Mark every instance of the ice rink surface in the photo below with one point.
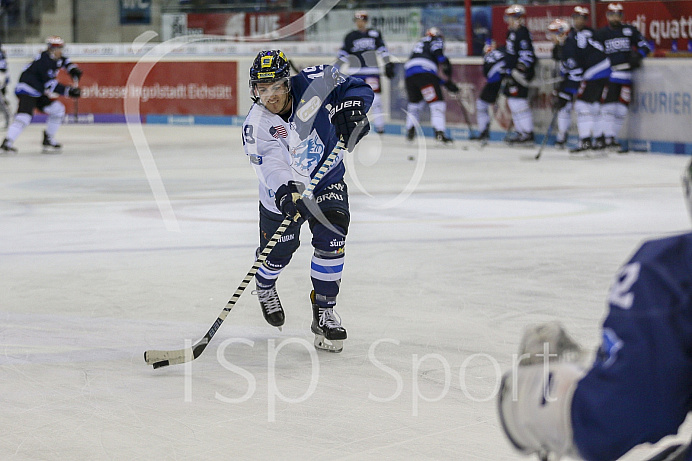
(448, 256)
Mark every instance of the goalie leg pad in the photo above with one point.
(535, 408)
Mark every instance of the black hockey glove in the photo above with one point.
(635, 59)
(446, 67)
(289, 200)
(75, 73)
(560, 100)
(74, 92)
(350, 121)
(389, 70)
(451, 86)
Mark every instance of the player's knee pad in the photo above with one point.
(23, 119)
(329, 232)
(535, 407)
(518, 105)
(55, 109)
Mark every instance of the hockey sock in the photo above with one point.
(268, 272)
(597, 129)
(56, 112)
(325, 271)
(482, 114)
(619, 118)
(437, 115)
(564, 120)
(521, 114)
(608, 113)
(21, 121)
(413, 113)
(376, 113)
(585, 118)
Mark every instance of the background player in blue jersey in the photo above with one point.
(625, 46)
(639, 388)
(494, 71)
(360, 50)
(292, 127)
(520, 61)
(423, 84)
(38, 88)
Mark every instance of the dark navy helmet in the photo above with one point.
(269, 66)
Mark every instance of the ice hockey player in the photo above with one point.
(423, 84)
(625, 46)
(38, 88)
(520, 61)
(585, 69)
(292, 127)
(639, 387)
(494, 71)
(4, 81)
(360, 50)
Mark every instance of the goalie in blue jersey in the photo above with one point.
(292, 127)
(639, 388)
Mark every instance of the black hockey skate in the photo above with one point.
(326, 324)
(482, 136)
(560, 142)
(584, 145)
(50, 146)
(411, 134)
(599, 143)
(440, 136)
(518, 139)
(6, 148)
(612, 145)
(271, 306)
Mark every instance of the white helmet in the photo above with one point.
(581, 11)
(434, 32)
(515, 11)
(55, 42)
(614, 8)
(559, 29)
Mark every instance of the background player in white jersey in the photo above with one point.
(292, 127)
(359, 51)
(423, 84)
(639, 388)
(38, 88)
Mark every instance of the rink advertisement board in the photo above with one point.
(248, 26)
(174, 88)
(666, 24)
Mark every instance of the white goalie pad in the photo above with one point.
(535, 408)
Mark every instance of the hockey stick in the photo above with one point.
(160, 359)
(75, 81)
(548, 133)
(464, 112)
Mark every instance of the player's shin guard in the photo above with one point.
(521, 114)
(586, 117)
(413, 114)
(564, 120)
(55, 112)
(265, 282)
(375, 113)
(437, 115)
(21, 121)
(535, 408)
(482, 115)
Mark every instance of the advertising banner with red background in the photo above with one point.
(246, 25)
(176, 88)
(661, 22)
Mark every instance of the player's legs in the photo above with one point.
(522, 118)
(268, 273)
(415, 104)
(564, 121)
(55, 111)
(375, 113)
(329, 229)
(25, 111)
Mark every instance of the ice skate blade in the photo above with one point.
(51, 151)
(324, 344)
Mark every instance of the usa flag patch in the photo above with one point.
(278, 131)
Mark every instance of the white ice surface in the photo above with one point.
(437, 287)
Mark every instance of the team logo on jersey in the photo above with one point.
(307, 154)
(309, 109)
(610, 346)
